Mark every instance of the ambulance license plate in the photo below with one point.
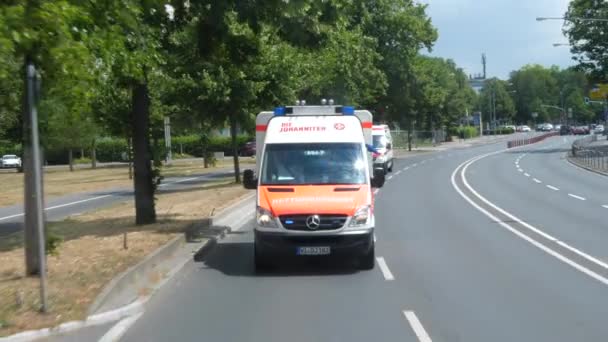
(321, 250)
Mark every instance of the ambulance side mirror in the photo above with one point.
(378, 179)
(249, 181)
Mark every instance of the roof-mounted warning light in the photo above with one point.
(279, 111)
(348, 110)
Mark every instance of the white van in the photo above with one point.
(314, 185)
(383, 143)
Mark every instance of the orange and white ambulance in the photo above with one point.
(314, 178)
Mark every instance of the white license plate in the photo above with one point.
(313, 250)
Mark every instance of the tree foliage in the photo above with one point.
(588, 37)
(541, 90)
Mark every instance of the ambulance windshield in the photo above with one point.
(313, 163)
(379, 141)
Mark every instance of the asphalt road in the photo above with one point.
(11, 218)
(469, 248)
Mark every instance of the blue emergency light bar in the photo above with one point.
(344, 110)
(348, 110)
(279, 111)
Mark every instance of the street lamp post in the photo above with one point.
(572, 19)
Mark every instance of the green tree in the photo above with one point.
(401, 29)
(44, 34)
(495, 98)
(587, 37)
(534, 87)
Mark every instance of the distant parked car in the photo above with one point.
(599, 129)
(565, 130)
(579, 130)
(525, 128)
(10, 160)
(248, 150)
(557, 127)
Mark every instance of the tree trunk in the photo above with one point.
(156, 152)
(94, 155)
(81, 153)
(71, 159)
(130, 157)
(409, 135)
(145, 212)
(235, 149)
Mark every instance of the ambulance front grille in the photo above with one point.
(327, 222)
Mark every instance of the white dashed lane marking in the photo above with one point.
(552, 187)
(577, 197)
(537, 180)
(414, 322)
(527, 174)
(388, 276)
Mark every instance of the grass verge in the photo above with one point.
(62, 182)
(91, 254)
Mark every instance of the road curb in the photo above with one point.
(131, 274)
(569, 159)
(135, 272)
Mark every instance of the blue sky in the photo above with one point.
(506, 30)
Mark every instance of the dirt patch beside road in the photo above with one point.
(92, 254)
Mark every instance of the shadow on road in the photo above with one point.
(236, 259)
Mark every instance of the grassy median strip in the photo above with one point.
(91, 253)
(62, 182)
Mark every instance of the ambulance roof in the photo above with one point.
(379, 129)
(309, 128)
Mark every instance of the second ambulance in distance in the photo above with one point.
(314, 181)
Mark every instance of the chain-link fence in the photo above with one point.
(589, 155)
(401, 139)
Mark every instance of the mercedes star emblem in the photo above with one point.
(313, 222)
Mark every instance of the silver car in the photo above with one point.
(10, 160)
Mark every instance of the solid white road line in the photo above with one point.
(537, 180)
(552, 187)
(417, 326)
(388, 276)
(59, 206)
(527, 174)
(532, 241)
(118, 330)
(577, 197)
(77, 202)
(180, 181)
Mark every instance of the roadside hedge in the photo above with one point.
(469, 131)
(111, 149)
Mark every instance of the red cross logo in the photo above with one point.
(339, 126)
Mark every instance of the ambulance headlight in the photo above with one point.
(265, 219)
(361, 217)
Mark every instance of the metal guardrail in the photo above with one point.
(528, 141)
(591, 157)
